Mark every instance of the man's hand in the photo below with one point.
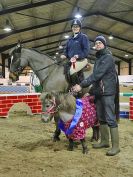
(63, 57)
(76, 88)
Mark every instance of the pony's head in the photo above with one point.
(54, 102)
(15, 69)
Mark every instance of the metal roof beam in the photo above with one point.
(99, 31)
(116, 19)
(123, 59)
(2, 49)
(27, 6)
(7, 47)
(57, 22)
(54, 42)
(89, 39)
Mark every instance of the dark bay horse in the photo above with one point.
(49, 72)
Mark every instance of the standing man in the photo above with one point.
(105, 78)
(76, 51)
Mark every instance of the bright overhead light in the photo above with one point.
(57, 53)
(94, 47)
(66, 36)
(60, 47)
(110, 36)
(7, 26)
(78, 16)
(126, 55)
(7, 29)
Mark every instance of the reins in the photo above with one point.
(49, 66)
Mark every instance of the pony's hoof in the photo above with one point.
(70, 148)
(55, 139)
(94, 139)
(44, 121)
(85, 150)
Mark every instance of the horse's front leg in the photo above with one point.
(57, 130)
(71, 145)
(84, 146)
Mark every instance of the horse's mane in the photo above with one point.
(35, 50)
(66, 101)
(58, 62)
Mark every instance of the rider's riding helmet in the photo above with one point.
(76, 22)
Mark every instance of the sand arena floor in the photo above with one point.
(27, 150)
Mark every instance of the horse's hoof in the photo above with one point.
(94, 139)
(70, 148)
(44, 121)
(56, 139)
(85, 150)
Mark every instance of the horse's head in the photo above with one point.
(54, 102)
(49, 106)
(15, 68)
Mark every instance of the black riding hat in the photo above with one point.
(76, 22)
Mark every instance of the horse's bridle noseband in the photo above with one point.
(53, 109)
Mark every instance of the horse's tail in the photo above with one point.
(117, 106)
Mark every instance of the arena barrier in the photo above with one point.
(127, 113)
(31, 99)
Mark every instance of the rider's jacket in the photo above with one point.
(78, 45)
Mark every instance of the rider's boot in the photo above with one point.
(74, 79)
(81, 76)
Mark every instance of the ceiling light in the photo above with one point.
(57, 53)
(7, 26)
(60, 47)
(110, 36)
(94, 47)
(78, 16)
(66, 36)
(126, 55)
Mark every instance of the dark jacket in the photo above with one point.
(77, 46)
(104, 73)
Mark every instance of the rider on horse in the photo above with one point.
(76, 51)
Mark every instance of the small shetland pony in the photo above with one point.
(76, 115)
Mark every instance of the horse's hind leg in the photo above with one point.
(57, 131)
(95, 134)
(71, 145)
(84, 146)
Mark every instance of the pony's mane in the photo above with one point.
(66, 101)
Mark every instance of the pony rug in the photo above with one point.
(85, 117)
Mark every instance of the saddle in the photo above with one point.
(75, 78)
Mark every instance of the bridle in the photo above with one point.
(53, 108)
